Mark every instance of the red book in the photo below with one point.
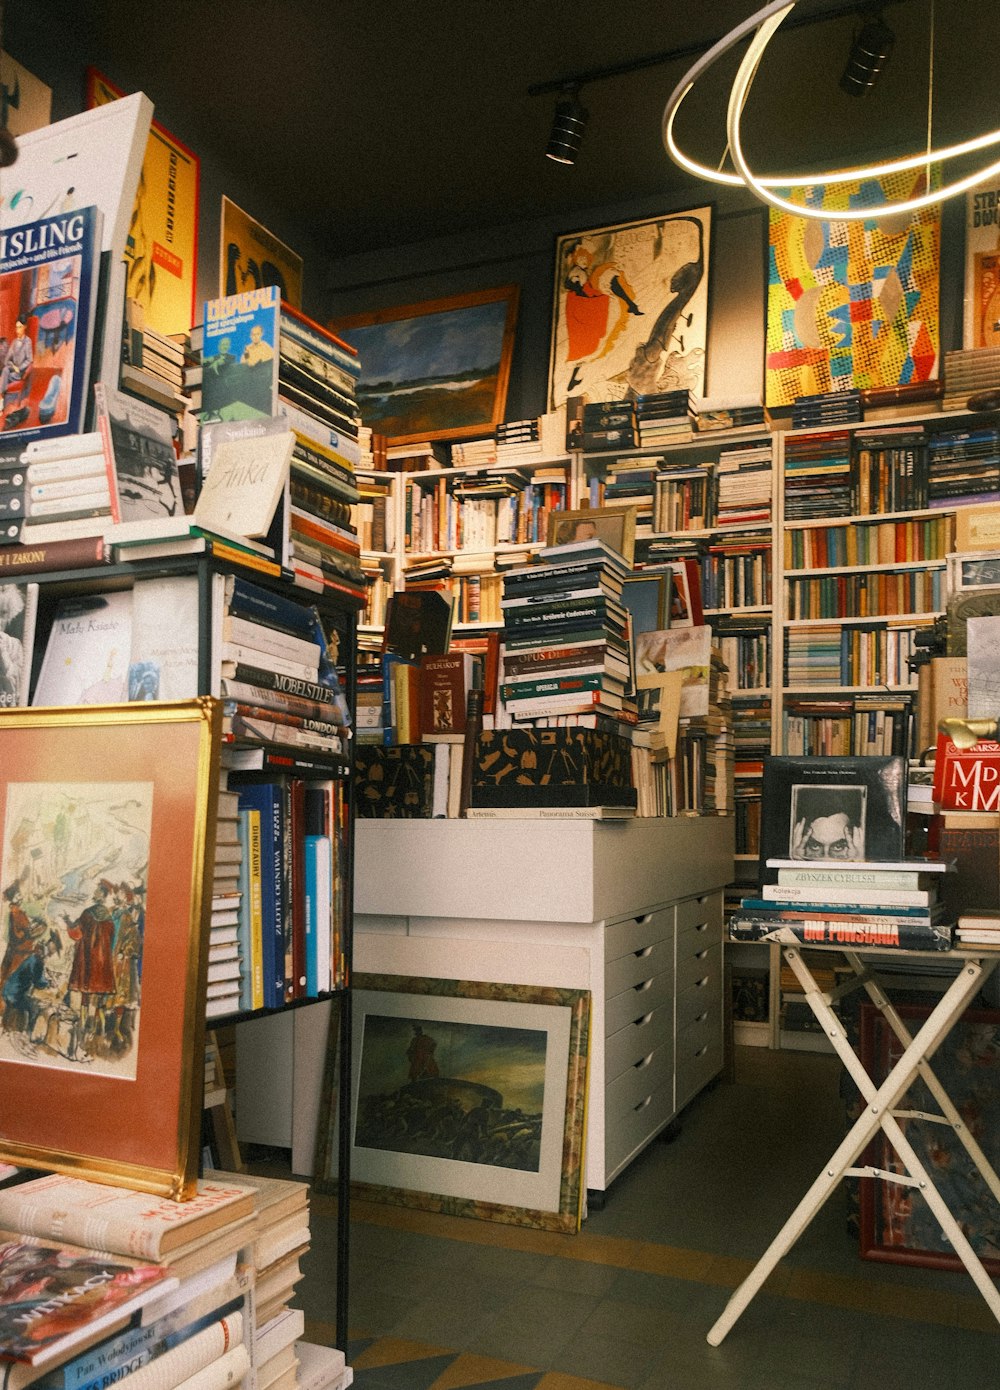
(78, 553)
(445, 682)
(967, 779)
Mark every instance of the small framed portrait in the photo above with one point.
(615, 526)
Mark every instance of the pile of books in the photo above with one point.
(664, 417)
(968, 371)
(893, 904)
(609, 425)
(517, 439)
(963, 466)
(826, 408)
(818, 476)
(153, 364)
(629, 482)
(979, 928)
(470, 452)
(230, 892)
(727, 412)
(743, 484)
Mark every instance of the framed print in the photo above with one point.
(842, 809)
(251, 257)
(896, 1224)
(630, 309)
(851, 305)
(981, 323)
(615, 526)
(435, 370)
(107, 819)
(162, 246)
(469, 1098)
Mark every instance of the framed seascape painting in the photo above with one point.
(107, 818)
(469, 1098)
(435, 370)
(852, 305)
(630, 309)
(896, 1224)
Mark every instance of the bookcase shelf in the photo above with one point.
(892, 568)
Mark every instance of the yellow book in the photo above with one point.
(255, 907)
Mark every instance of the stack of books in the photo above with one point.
(727, 412)
(826, 408)
(893, 904)
(963, 466)
(67, 491)
(416, 456)
(664, 417)
(517, 439)
(470, 452)
(629, 482)
(609, 425)
(818, 476)
(743, 484)
(229, 886)
(968, 371)
(171, 1311)
(566, 635)
(979, 928)
(153, 364)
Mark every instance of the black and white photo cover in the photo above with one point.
(827, 822)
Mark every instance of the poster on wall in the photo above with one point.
(25, 101)
(630, 309)
(981, 326)
(251, 257)
(162, 244)
(852, 305)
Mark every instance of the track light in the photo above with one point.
(568, 124)
(870, 49)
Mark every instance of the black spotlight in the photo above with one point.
(869, 54)
(568, 125)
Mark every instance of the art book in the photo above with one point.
(49, 274)
(141, 461)
(685, 649)
(247, 480)
(163, 657)
(240, 355)
(18, 608)
(54, 1296)
(967, 779)
(842, 809)
(87, 655)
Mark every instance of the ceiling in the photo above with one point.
(385, 122)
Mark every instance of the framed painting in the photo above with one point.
(981, 323)
(615, 526)
(630, 309)
(896, 1224)
(852, 305)
(469, 1098)
(435, 370)
(251, 257)
(162, 246)
(107, 822)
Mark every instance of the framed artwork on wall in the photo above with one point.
(251, 257)
(107, 822)
(615, 526)
(630, 309)
(852, 305)
(981, 327)
(437, 369)
(469, 1098)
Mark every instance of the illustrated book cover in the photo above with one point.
(18, 610)
(141, 460)
(967, 779)
(87, 655)
(685, 649)
(240, 355)
(843, 809)
(163, 656)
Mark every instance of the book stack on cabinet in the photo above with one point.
(174, 1278)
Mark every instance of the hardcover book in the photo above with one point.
(18, 609)
(842, 809)
(967, 779)
(88, 652)
(240, 355)
(163, 657)
(245, 484)
(141, 461)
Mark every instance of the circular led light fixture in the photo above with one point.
(765, 22)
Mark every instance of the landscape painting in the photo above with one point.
(437, 369)
(72, 917)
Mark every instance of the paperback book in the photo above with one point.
(18, 609)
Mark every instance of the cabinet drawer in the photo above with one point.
(694, 914)
(632, 1003)
(628, 1090)
(628, 971)
(636, 933)
(703, 997)
(625, 1133)
(637, 1040)
(704, 961)
(699, 1059)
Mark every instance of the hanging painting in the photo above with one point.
(630, 309)
(852, 305)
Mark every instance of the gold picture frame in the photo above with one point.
(615, 526)
(107, 829)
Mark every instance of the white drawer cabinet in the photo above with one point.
(631, 912)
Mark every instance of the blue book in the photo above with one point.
(268, 799)
(240, 355)
(246, 600)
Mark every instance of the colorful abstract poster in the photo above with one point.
(162, 244)
(981, 326)
(251, 257)
(852, 305)
(630, 309)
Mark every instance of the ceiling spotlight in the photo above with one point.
(568, 125)
(870, 49)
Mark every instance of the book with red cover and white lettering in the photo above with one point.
(967, 779)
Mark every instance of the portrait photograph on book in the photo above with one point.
(493, 1080)
(843, 809)
(103, 937)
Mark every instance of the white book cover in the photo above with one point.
(245, 483)
(18, 610)
(163, 653)
(87, 655)
(984, 667)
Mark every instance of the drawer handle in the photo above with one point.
(641, 921)
(700, 984)
(700, 955)
(642, 1104)
(646, 951)
(644, 1062)
(701, 1017)
(703, 926)
(646, 984)
(701, 1051)
(641, 1021)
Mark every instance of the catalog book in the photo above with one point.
(240, 355)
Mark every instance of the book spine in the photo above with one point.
(286, 685)
(819, 932)
(243, 919)
(258, 637)
(246, 600)
(75, 553)
(254, 963)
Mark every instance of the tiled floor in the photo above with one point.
(439, 1303)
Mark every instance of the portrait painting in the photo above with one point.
(437, 369)
(852, 305)
(105, 890)
(469, 1098)
(630, 309)
(615, 526)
